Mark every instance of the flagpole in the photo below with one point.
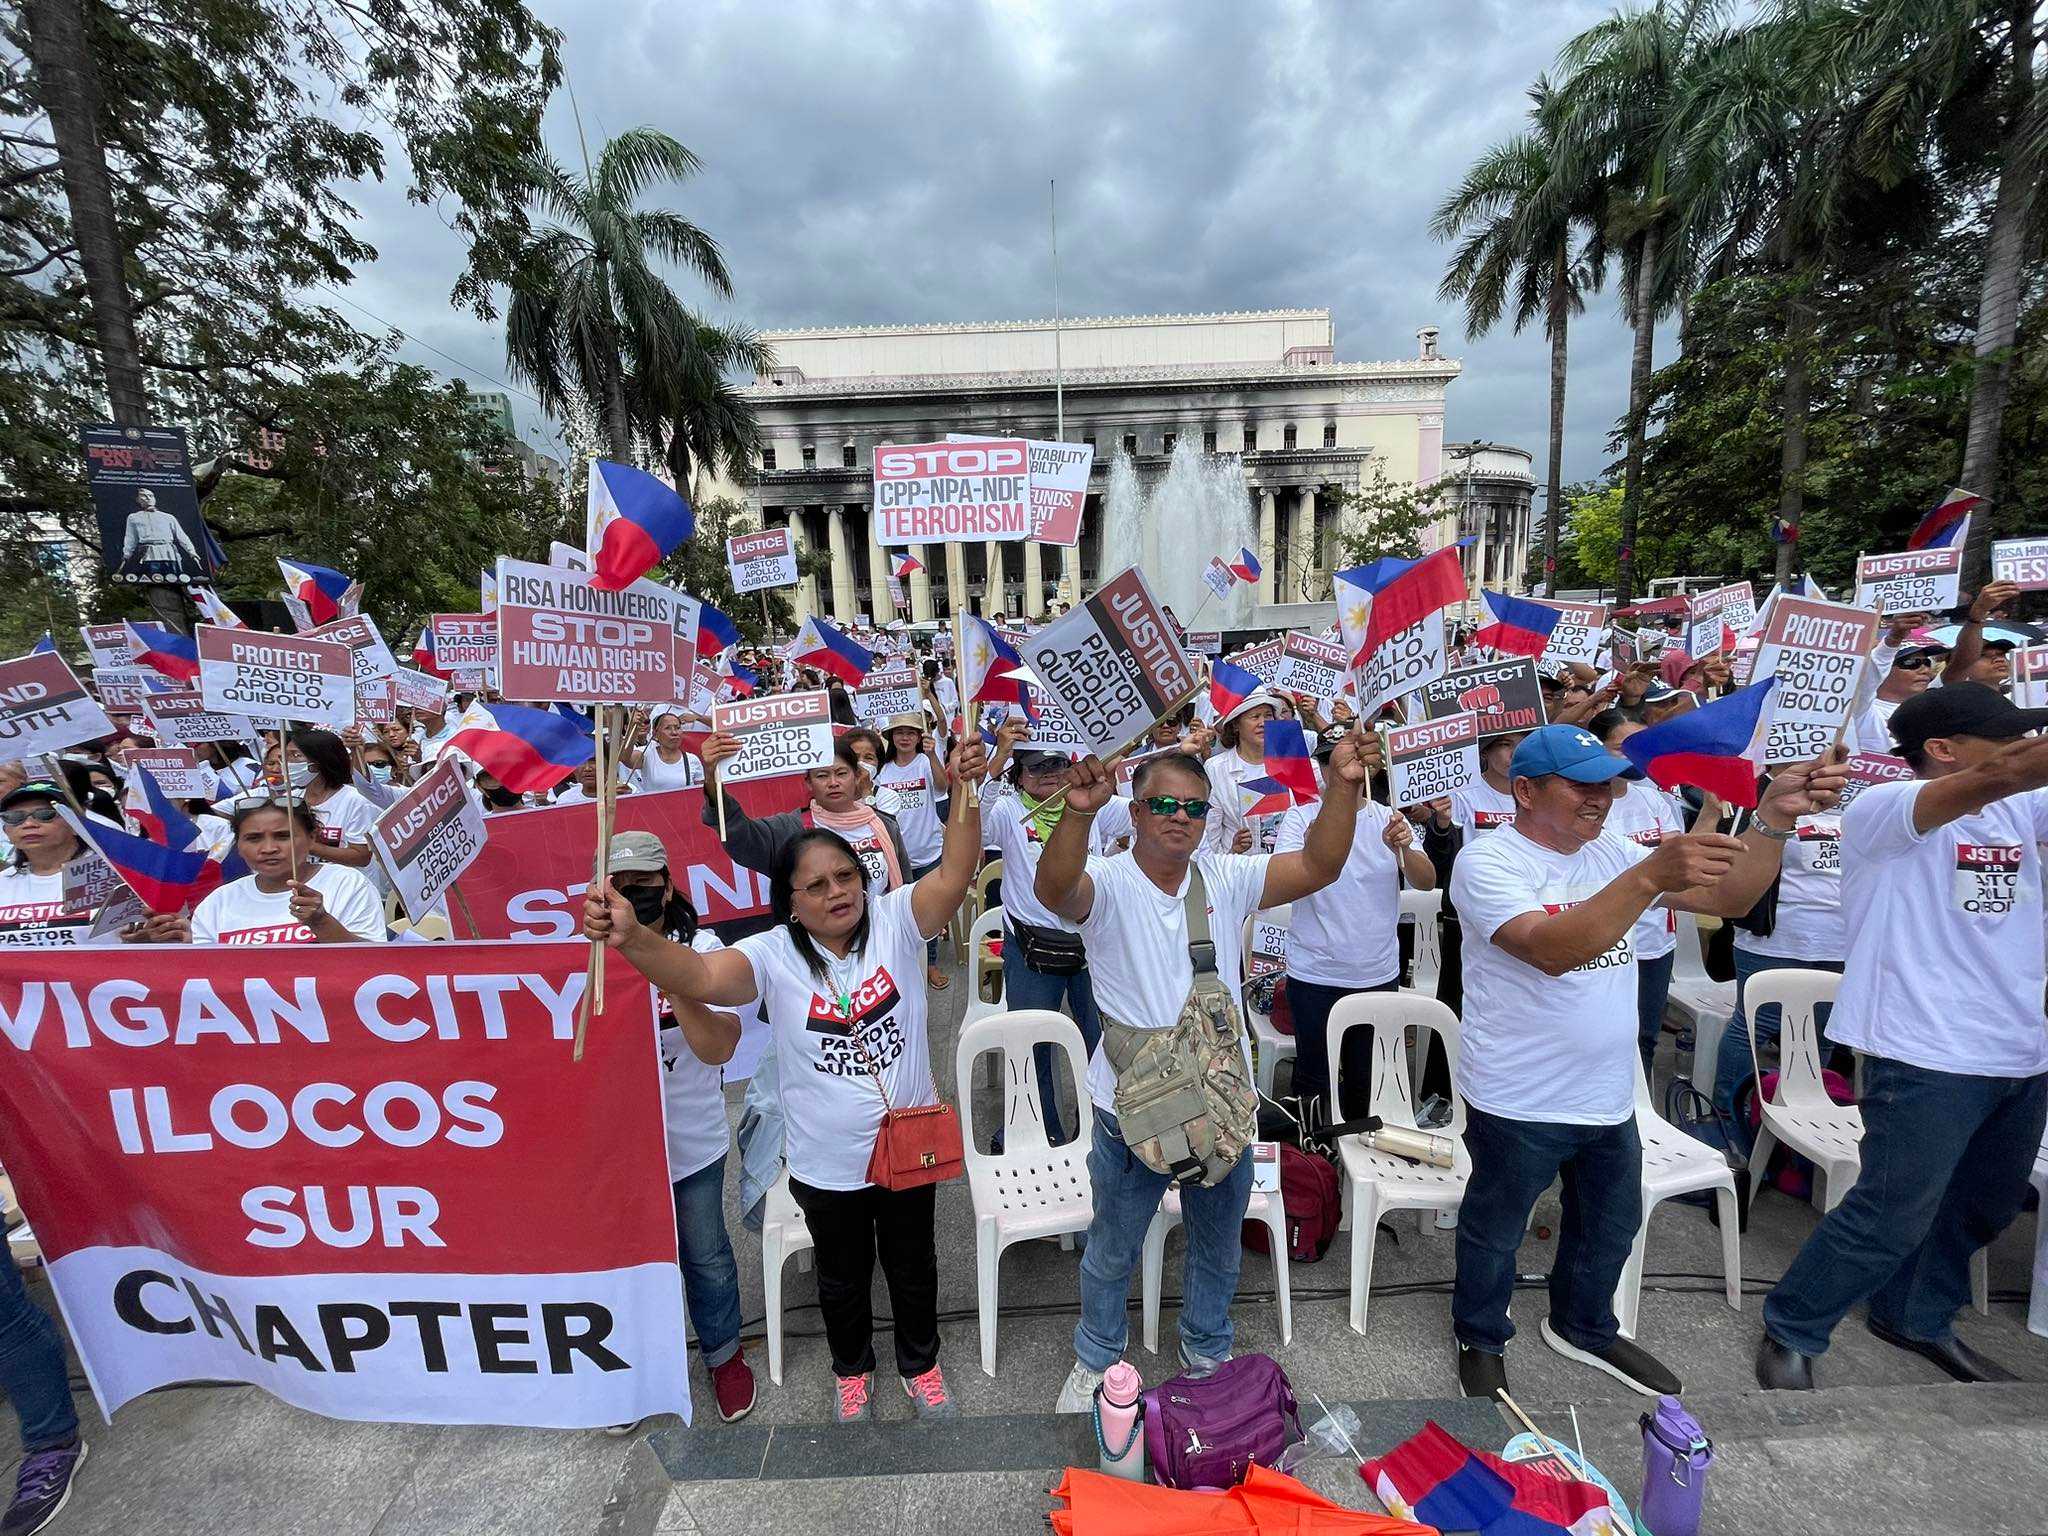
(593, 973)
(1059, 387)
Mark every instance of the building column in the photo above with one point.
(878, 576)
(1034, 583)
(843, 601)
(804, 600)
(1070, 575)
(1311, 555)
(921, 584)
(956, 578)
(992, 579)
(1267, 550)
(1290, 577)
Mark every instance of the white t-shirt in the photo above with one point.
(1944, 968)
(916, 808)
(1346, 934)
(1809, 920)
(1007, 828)
(948, 692)
(345, 818)
(830, 1103)
(1479, 807)
(656, 773)
(1560, 1049)
(1227, 771)
(32, 910)
(1137, 939)
(692, 1091)
(238, 913)
(1645, 816)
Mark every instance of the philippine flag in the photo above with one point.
(819, 645)
(1377, 601)
(213, 610)
(423, 653)
(903, 566)
(1288, 762)
(631, 523)
(1518, 627)
(740, 682)
(1436, 1480)
(1947, 524)
(1245, 567)
(716, 634)
(988, 664)
(1229, 686)
(328, 595)
(1713, 748)
(161, 820)
(47, 646)
(527, 750)
(1264, 796)
(176, 656)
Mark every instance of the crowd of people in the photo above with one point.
(1562, 871)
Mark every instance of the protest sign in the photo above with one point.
(464, 642)
(949, 493)
(562, 640)
(2023, 562)
(761, 560)
(1401, 663)
(698, 687)
(1714, 620)
(293, 677)
(1581, 631)
(1912, 581)
(428, 836)
(125, 690)
(1818, 652)
(689, 615)
(377, 701)
(1052, 730)
(148, 511)
(316, 1170)
(1262, 661)
(420, 690)
(1128, 765)
(1433, 759)
(1867, 768)
(184, 718)
(888, 690)
(1310, 667)
(567, 557)
(1203, 642)
(1506, 695)
(1267, 952)
(106, 644)
(2030, 677)
(1114, 664)
(44, 707)
(368, 654)
(1059, 490)
(178, 772)
(778, 733)
(1217, 577)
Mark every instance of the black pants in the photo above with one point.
(851, 1227)
(1311, 1003)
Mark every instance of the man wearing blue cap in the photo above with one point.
(1548, 1061)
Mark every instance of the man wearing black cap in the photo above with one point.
(1941, 994)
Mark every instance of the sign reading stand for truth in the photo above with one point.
(1817, 651)
(2023, 562)
(1506, 695)
(178, 773)
(1913, 581)
(1433, 759)
(44, 707)
(1115, 664)
(561, 640)
(761, 560)
(778, 733)
(290, 677)
(430, 835)
(952, 493)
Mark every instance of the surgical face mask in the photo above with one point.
(649, 903)
(380, 773)
(504, 798)
(298, 775)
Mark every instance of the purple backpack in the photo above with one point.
(1206, 1431)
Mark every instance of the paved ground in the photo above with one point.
(1890, 1446)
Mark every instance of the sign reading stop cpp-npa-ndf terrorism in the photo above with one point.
(1818, 652)
(1115, 664)
(778, 733)
(761, 560)
(184, 719)
(2023, 562)
(1507, 696)
(1580, 633)
(430, 835)
(1311, 667)
(562, 640)
(291, 677)
(1432, 759)
(45, 708)
(951, 493)
(1913, 581)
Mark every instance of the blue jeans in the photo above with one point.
(711, 1277)
(1310, 1002)
(1025, 988)
(33, 1373)
(1945, 1165)
(1732, 1064)
(1126, 1196)
(1513, 1161)
(1653, 987)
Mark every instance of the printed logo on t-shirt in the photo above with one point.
(911, 792)
(1486, 821)
(871, 1016)
(867, 847)
(41, 924)
(270, 933)
(1988, 878)
(329, 836)
(1821, 843)
(1647, 837)
(1623, 953)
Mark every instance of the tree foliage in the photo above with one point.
(1384, 518)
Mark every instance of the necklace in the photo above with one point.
(842, 973)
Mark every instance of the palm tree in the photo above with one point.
(709, 424)
(590, 317)
(1516, 227)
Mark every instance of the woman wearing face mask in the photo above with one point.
(496, 796)
(662, 763)
(869, 748)
(316, 767)
(382, 768)
(39, 844)
(852, 1042)
(757, 842)
(282, 902)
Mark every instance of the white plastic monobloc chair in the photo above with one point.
(2037, 1304)
(1422, 908)
(988, 925)
(1265, 1207)
(1269, 1045)
(1676, 1164)
(1704, 1003)
(783, 1236)
(1378, 1182)
(1031, 1188)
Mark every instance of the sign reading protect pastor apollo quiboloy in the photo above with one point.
(952, 493)
(778, 733)
(1115, 664)
(562, 640)
(429, 836)
(291, 677)
(44, 707)
(317, 1169)
(1433, 759)
(1817, 651)
(1506, 695)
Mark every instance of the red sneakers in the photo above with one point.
(733, 1385)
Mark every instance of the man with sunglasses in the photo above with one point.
(1912, 670)
(1132, 913)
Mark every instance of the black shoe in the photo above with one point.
(41, 1487)
(1481, 1374)
(1781, 1368)
(1635, 1368)
(1951, 1354)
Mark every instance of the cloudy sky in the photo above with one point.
(886, 163)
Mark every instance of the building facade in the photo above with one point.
(1262, 387)
(1486, 494)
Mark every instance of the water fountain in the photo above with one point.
(1171, 527)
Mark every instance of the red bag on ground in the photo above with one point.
(1313, 1203)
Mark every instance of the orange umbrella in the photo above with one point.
(1266, 1504)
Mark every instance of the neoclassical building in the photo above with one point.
(1263, 386)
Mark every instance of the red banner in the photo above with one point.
(358, 1176)
(528, 882)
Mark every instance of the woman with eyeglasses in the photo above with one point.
(662, 763)
(39, 844)
(836, 978)
(283, 900)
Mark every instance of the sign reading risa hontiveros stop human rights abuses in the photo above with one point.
(356, 1175)
(950, 493)
(561, 640)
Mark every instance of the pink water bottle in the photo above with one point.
(1119, 1422)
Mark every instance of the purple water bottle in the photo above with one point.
(1676, 1455)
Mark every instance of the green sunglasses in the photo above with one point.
(1166, 805)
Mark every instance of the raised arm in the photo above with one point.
(1793, 793)
(936, 897)
(1062, 884)
(2015, 768)
(1969, 646)
(1557, 942)
(711, 1035)
(1327, 843)
(723, 977)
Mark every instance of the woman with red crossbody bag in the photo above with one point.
(840, 979)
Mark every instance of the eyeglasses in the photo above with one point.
(1914, 663)
(1166, 805)
(37, 813)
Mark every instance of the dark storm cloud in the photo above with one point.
(887, 163)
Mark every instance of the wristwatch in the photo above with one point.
(1775, 834)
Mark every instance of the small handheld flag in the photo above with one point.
(1377, 601)
(905, 565)
(1246, 566)
(820, 645)
(527, 750)
(1946, 523)
(988, 663)
(1288, 760)
(632, 522)
(1517, 627)
(715, 632)
(327, 594)
(176, 656)
(1713, 748)
(213, 610)
(1229, 686)
(47, 646)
